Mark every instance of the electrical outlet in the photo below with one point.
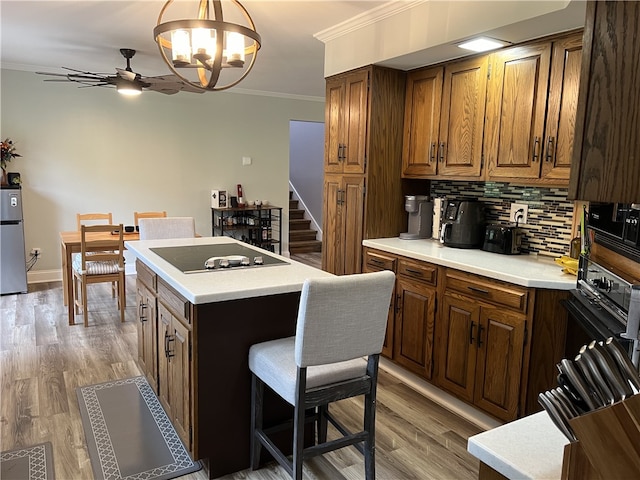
(36, 251)
(519, 213)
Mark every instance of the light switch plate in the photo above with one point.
(246, 160)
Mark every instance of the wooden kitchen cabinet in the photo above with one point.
(375, 262)
(531, 109)
(605, 164)
(174, 367)
(444, 120)
(147, 334)
(414, 326)
(346, 122)
(343, 211)
(481, 336)
(367, 201)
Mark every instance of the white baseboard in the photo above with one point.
(441, 397)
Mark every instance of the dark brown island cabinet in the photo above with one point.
(195, 358)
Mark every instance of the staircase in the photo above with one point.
(302, 238)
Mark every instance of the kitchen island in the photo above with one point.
(194, 334)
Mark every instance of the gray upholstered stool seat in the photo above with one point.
(341, 320)
(274, 362)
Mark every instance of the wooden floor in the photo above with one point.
(43, 360)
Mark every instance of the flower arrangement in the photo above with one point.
(8, 152)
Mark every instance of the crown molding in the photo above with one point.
(367, 18)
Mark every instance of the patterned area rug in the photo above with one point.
(31, 463)
(128, 433)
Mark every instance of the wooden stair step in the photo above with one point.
(294, 204)
(296, 213)
(305, 246)
(301, 235)
(299, 224)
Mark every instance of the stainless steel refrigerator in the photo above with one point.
(13, 265)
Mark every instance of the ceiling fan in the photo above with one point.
(126, 81)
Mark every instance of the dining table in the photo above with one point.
(70, 245)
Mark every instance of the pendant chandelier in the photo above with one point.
(208, 52)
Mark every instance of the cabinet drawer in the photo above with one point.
(500, 293)
(379, 261)
(425, 272)
(146, 276)
(178, 305)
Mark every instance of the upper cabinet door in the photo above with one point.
(562, 107)
(462, 119)
(334, 125)
(346, 113)
(356, 102)
(422, 122)
(516, 104)
(606, 157)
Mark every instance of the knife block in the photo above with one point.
(608, 443)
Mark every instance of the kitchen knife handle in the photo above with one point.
(480, 328)
(534, 153)
(471, 339)
(550, 150)
(432, 156)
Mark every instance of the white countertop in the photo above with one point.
(217, 286)
(525, 270)
(529, 448)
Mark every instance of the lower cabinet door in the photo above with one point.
(147, 335)
(499, 364)
(164, 336)
(458, 329)
(180, 387)
(414, 326)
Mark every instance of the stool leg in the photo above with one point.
(322, 423)
(257, 396)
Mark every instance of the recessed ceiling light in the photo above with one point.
(482, 44)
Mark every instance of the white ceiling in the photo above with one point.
(87, 35)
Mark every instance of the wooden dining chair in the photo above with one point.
(92, 219)
(101, 259)
(83, 218)
(139, 215)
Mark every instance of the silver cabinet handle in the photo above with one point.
(550, 150)
(441, 154)
(432, 155)
(534, 153)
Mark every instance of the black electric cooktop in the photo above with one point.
(226, 256)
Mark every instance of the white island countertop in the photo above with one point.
(534, 271)
(233, 284)
(529, 448)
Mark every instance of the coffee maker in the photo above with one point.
(420, 211)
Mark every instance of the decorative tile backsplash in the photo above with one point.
(548, 228)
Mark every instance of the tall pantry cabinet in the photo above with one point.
(363, 152)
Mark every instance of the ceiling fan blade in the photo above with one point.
(86, 73)
(169, 84)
